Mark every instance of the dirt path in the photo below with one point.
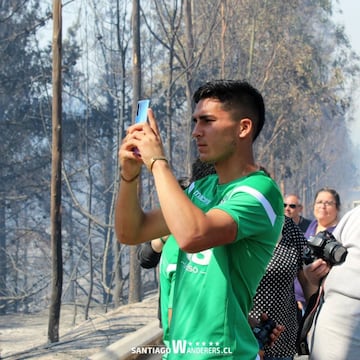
(25, 336)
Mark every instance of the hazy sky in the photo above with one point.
(350, 19)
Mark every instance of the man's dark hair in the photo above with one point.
(237, 96)
(184, 182)
(333, 192)
(201, 169)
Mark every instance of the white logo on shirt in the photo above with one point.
(198, 262)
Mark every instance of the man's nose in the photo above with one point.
(196, 131)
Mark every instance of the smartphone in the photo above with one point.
(141, 112)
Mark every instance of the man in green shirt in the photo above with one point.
(226, 225)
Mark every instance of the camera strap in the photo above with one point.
(305, 325)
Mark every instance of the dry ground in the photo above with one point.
(25, 336)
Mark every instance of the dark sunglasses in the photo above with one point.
(292, 206)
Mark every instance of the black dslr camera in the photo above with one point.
(324, 246)
(263, 331)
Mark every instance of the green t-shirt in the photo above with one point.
(214, 288)
(167, 272)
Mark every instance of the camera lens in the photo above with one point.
(339, 254)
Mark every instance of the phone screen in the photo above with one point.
(141, 112)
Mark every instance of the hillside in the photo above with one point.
(25, 336)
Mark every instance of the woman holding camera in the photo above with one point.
(336, 331)
(326, 212)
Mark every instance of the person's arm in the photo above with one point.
(272, 337)
(193, 229)
(132, 224)
(311, 275)
(307, 287)
(149, 253)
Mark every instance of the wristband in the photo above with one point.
(129, 180)
(156, 158)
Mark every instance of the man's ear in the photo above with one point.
(246, 126)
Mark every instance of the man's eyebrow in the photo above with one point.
(202, 117)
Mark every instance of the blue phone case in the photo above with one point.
(141, 113)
